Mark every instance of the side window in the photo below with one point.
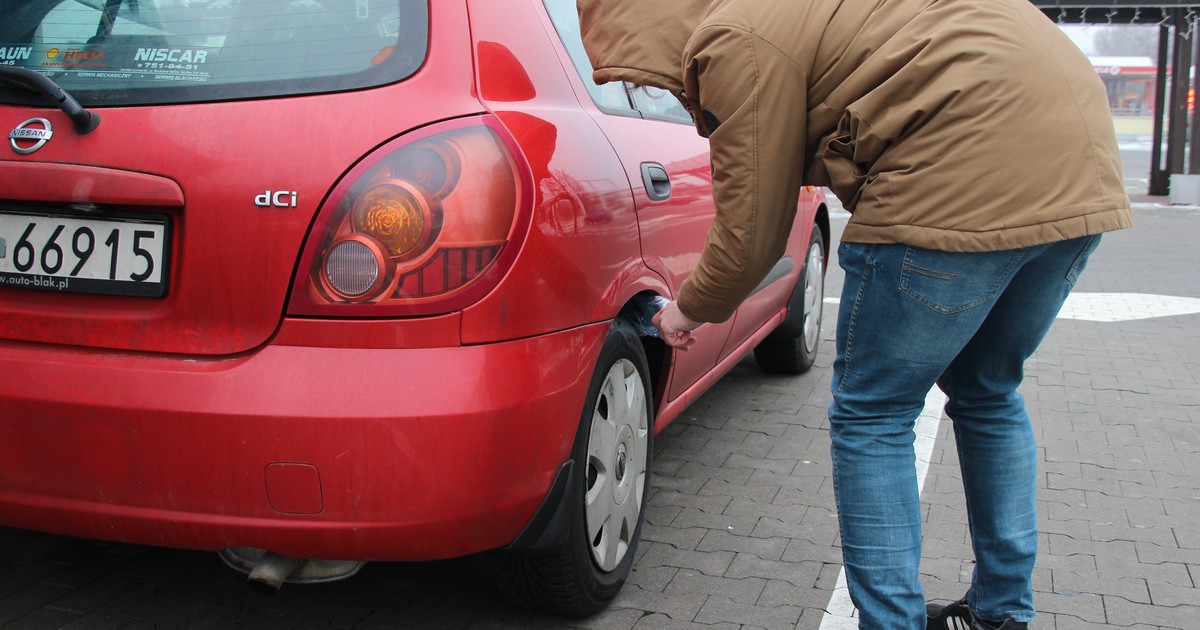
(614, 98)
(611, 97)
(658, 103)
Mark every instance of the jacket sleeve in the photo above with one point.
(750, 99)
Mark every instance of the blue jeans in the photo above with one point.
(910, 318)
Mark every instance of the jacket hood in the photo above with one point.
(638, 41)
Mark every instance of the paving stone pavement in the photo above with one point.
(741, 528)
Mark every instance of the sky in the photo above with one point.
(1082, 36)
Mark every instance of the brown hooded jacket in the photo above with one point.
(956, 125)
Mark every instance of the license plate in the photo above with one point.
(115, 255)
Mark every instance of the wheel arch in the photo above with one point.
(793, 323)
(549, 526)
(821, 219)
(638, 311)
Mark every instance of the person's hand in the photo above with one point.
(674, 327)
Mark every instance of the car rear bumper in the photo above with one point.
(310, 452)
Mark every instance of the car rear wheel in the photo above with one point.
(793, 349)
(607, 495)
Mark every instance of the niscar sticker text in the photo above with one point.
(174, 55)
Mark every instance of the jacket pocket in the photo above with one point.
(846, 177)
(848, 161)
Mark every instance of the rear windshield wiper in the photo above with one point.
(85, 121)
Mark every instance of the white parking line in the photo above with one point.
(1118, 307)
(840, 613)
(1125, 307)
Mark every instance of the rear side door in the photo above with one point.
(668, 166)
(669, 173)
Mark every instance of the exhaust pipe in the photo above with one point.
(270, 572)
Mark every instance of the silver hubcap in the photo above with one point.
(814, 296)
(616, 470)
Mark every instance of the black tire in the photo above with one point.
(792, 349)
(582, 577)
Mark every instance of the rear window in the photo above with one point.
(161, 51)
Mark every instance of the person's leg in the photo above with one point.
(992, 430)
(905, 314)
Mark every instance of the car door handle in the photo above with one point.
(656, 181)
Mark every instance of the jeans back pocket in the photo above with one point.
(952, 282)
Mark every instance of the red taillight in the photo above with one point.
(426, 225)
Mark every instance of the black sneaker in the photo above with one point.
(958, 616)
(955, 616)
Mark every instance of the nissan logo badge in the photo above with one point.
(26, 132)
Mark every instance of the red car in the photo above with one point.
(318, 282)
